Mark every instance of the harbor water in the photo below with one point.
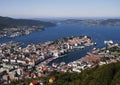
(98, 33)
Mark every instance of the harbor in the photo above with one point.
(14, 58)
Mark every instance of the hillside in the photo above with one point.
(6, 22)
(104, 75)
(100, 75)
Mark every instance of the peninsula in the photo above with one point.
(15, 27)
(18, 63)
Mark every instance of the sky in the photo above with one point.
(59, 8)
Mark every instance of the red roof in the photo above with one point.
(34, 82)
(53, 78)
(92, 58)
(44, 68)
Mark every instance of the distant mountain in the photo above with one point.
(7, 22)
(92, 22)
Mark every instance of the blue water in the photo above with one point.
(98, 34)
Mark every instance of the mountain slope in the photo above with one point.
(100, 75)
(6, 22)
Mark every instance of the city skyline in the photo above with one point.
(59, 8)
